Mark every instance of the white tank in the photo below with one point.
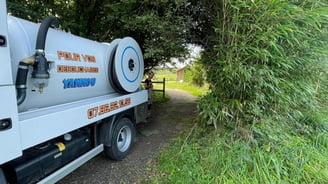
(79, 68)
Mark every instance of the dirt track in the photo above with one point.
(167, 121)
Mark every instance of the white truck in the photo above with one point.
(64, 99)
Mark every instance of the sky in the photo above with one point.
(194, 53)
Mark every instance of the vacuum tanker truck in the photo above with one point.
(64, 99)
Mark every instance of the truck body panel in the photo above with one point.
(57, 120)
(10, 139)
(9, 136)
(5, 69)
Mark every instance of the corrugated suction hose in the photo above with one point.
(38, 61)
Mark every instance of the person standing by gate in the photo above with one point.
(149, 86)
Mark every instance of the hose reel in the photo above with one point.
(126, 65)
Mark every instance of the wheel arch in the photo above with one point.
(107, 126)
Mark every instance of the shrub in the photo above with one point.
(197, 74)
(265, 62)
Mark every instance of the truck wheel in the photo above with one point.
(122, 140)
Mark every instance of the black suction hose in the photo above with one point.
(42, 33)
(40, 68)
(21, 78)
(38, 61)
(21, 82)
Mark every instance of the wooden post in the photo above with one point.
(164, 87)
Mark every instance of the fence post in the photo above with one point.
(163, 87)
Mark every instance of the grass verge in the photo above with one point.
(192, 89)
(158, 97)
(265, 153)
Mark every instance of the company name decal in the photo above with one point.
(79, 82)
(68, 56)
(77, 69)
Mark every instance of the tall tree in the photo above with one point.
(158, 26)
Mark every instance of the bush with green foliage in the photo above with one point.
(197, 73)
(194, 74)
(266, 61)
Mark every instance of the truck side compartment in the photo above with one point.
(41, 160)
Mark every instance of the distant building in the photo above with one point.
(180, 74)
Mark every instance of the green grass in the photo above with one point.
(266, 153)
(172, 83)
(192, 89)
(158, 97)
(168, 75)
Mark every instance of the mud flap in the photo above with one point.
(141, 112)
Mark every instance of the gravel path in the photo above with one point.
(167, 121)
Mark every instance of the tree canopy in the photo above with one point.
(160, 27)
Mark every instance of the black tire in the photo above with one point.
(122, 140)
